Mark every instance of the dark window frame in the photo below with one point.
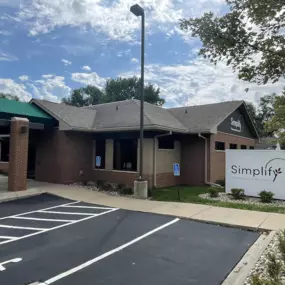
(251, 147)
(166, 143)
(126, 156)
(100, 150)
(243, 146)
(220, 146)
(233, 146)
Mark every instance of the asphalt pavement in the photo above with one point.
(64, 242)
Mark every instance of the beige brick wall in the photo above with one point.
(217, 158)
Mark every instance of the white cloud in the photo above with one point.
(86, 68)
(200, 82)
(5, 33)
(112, 18)
(24, 77)
(10, 86)
(66, 62)
(7, 57)
(134, 60)
(46, 76)
(88, 79)
(51, 88)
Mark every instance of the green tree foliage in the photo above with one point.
(262, 114)
(276, 124)
(9, 96)
(115, 90)
(85, 96)
(247, 38)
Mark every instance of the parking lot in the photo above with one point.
(63, 242)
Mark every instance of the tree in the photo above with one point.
(276, 124)
(115, 90)
(249, 38)
(262, 114)
(9, 96)
(85, 96)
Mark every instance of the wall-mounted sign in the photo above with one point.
(236, 125)
(255, 171)
(176, 169)
(98, 161)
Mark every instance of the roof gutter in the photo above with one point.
(154, 154)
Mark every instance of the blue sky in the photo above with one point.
(49, 47)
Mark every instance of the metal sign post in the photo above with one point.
(176, 172)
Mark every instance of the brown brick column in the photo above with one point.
(18, 157)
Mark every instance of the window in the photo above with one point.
(251, 147)
(233, 146)
(100, 147)
(243, 146)
(125, 154)
(4, 149)
(219, 146)
(165, 143)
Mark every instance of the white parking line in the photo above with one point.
(26, 213)
(67, 213)
(22, 228)
(87, 207)
(7, 237)
(57, 227)
(40, 219)
(96, 259)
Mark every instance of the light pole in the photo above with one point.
(141, 185)
(139, 11)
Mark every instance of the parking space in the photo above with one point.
(63, 242)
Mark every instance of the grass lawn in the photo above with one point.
(190, 194)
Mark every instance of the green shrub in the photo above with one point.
(238, 194)
(121, 186)
(221, 182)
(273, 267)
(214, 192)
(266, 196)
(127, 191)
(149, 192)
(100, 183)
(281, 244)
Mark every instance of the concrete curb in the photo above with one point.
(10, 196)
(246, 264)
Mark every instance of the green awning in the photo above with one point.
(22, 109)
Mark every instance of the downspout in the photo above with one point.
(206, 159)
(154, 155)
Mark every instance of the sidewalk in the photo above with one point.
(225, 216)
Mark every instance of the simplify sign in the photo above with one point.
(255, 171)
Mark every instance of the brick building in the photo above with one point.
(70, 139)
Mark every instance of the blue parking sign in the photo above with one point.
(98, 161)
(176, 169)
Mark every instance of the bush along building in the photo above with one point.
(62, 142)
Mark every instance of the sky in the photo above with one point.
(49, 47)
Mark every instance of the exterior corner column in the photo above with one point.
(18, 156)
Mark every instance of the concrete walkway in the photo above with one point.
(206, 213)
(226, 216)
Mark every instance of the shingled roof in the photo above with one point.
(204, 118)
(125, 115)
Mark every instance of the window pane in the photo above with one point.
(166, 143)
(100, 151)
(219, 146)
(233, 146)
(243, 146)
(251, 147)
(125, 155)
